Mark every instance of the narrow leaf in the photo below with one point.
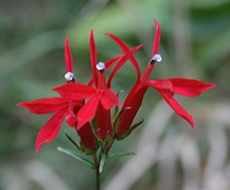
(102, 162)
(72, 141)
(117, 155)
(116, 113)
(77, 156)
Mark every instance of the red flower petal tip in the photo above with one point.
(157, 37)
(68, 56)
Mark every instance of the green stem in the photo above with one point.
(98, 181)
(107, 149)
(96, 164)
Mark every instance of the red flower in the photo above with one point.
(167, 87)
(63, 108)
(80, 104)
(101, 98)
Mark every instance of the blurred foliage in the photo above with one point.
(195, 43)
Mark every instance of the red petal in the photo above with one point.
(75, 91)
(109, 99)
(178, 109)
(68, 57)
(50, 130)
(162, 85)
(121, 63)
(147, 73)
(88, 111)
(72, 111)
(157, 37)
(156, 44)
(45, 105)
(134, 103)
(125, 49)
(103, 120)
(132, 93)
(189, 87)
(91, 82)
(71, 118)
(93, 54)
(87, 137)
(108, 64)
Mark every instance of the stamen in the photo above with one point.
(100, 67)
(155, 58)
(69, 76)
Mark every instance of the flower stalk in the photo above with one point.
(97, 172)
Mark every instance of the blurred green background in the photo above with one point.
(170, 155)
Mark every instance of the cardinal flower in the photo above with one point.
(166, 87)
(101, 98)
(63, 108)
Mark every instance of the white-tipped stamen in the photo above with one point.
(69, 76)
(100, 66)
(156, 58)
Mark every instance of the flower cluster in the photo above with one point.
(87, 107)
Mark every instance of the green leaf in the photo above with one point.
(77, 156)
(72, 141)
(102, 162)
(127, 133)
(116, 155)
(86, 150)
(116, 112)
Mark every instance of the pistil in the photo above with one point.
(101, 75)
